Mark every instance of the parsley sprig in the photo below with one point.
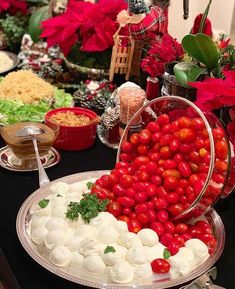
(89, 207)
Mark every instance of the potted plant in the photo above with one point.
(203, 58)
(84, 33)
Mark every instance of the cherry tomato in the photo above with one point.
(141, 208)
(161, 203)
(142, 149)
(162, 216)
(176, 209)
(184, 121)
(173, 247)
(169, 227)
(160, 266)
(126, 147)
(184, 169)
(153, 126)
(166, 139)
(187, 135)
(134, 225)
(181, 228)
(126, 181)
(125, 201)
(134, 139)
(123, 218)
(145, 136)
(157, 227)
(143, 219)
(166, 238)
(171, 183)
(114, 208)
(163, 119)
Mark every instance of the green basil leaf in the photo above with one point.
(109, 249)
(89, 185)
(43, 203)
(166, 254)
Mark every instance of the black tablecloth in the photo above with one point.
(15, 187)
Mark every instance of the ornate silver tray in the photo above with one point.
(23, 224)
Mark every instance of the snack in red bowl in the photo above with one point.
(77, 127)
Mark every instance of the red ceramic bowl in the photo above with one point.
(74, 138)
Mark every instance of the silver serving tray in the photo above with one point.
(23, 224)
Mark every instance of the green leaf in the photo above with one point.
(35, 22)
(89, 185)
(109, 249)
(187, 72)
(204, 16)
(202, 48)
(38, 1)
(43, 203)
(166, 254)
(59, 195)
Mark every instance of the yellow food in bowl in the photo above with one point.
(69, 118)
(25, 86)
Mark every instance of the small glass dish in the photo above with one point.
(22, 146)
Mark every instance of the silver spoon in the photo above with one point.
(32, 130)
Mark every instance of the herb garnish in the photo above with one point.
(89, 185)
(166, 254)
(109, 249)
(89, 207)
(43, 203)
(59, 195)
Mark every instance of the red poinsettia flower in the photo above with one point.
(92, 23)
(13, 6)
(161, 52)
(216, 93)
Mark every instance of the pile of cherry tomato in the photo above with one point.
(161, 173)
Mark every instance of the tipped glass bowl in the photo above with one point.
(190, 149)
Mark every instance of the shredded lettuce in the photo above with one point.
(16, 111)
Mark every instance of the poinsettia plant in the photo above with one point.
(216, 94)
(13, 6)
(163, 51)
(91, 24)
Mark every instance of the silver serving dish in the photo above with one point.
(23, 225)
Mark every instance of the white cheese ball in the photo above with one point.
(155, 252)
(136, 255)
(183, 261)
(108, 234)
(56, 238)
(94, 264)
(56, 223)
(77, 260)
(57, 200)
(59, 188)
(38, 221)
(148, 237)
(74, 243)
(43, 211)
(143, 271)
(121, 226)
(38, 235)
(104, 219)
(199, 248)
(85, 231)
(59, 211)
(122, 272)
(129, 240)
(91, 246)
(113, 258)
(60, 256)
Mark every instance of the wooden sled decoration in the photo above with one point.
(121, 59)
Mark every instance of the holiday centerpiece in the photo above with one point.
(84, 33)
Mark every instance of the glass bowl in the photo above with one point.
(22, 146)
(189, 151)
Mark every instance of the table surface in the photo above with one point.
(15, 187)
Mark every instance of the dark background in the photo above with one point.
(15, 187)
